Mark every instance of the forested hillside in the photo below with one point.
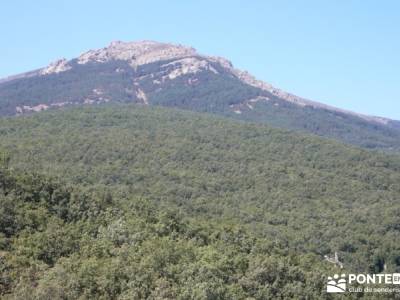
(59, 241)
(229, 185)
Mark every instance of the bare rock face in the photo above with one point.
(227, 64)
(58, 66)
(137, 53)
(188, 65)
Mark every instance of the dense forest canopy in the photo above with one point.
(131, 202)
(65, 242)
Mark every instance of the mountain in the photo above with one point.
(141, 202)
(152, 73)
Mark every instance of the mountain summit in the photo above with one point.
(154, 73)
(137, 53)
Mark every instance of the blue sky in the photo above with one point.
(344, 52)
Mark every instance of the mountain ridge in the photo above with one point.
(153, 73)
(147, 51)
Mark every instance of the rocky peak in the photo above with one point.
(137, 53)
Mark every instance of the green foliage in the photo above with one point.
(129, 249)
(146, 203)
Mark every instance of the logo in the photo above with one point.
(336, 284)
(367, 283)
